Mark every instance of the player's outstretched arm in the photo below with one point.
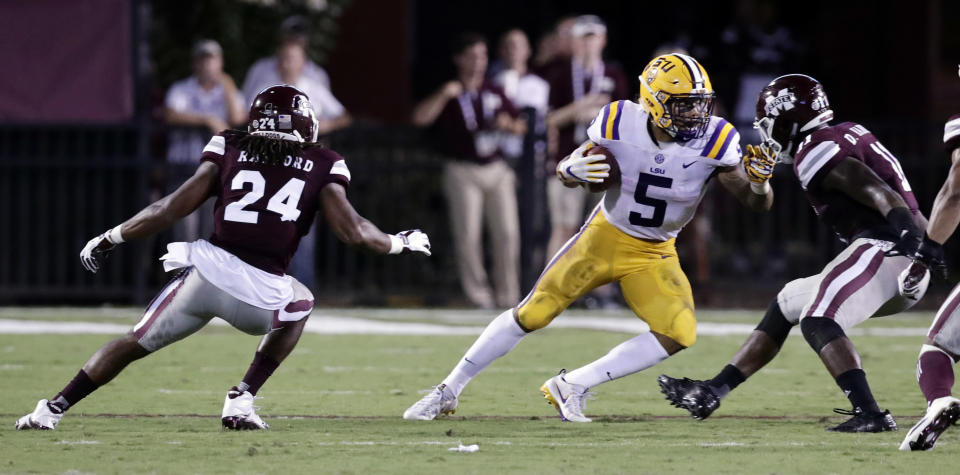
(945, 215)
(736, 181)
(855, 179)
(944, 219)
(155, 217)
(355, 230)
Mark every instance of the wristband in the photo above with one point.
(902, 221)
(396, 244)
(114, 235)
(760, 188)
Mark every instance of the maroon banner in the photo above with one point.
(65, 61)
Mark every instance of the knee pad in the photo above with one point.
(682, 328)
(775, 324)
(819, 331)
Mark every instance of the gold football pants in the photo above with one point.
(649, 273)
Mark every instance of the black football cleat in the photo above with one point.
(695, 396)
(865, 422)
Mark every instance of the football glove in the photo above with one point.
(930, 255)
(98, 248)
(758, 164)
(583, 169)
(413, 240)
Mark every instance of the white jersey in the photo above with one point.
(660, 184)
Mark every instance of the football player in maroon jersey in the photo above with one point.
(942, 348)
(269, 182)
(857, 187)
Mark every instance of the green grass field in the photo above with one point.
(335, 405)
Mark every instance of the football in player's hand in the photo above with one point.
(607, 158)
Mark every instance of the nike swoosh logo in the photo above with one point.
(562, 399)
(687, 165)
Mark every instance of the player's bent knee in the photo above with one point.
(538, 312)
(681, 329)
(775, 324)
(820, 331)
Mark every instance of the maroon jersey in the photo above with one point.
(570, 82)
(465, 128)
(263, 210)
(824, 149)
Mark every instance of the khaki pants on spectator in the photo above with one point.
(475, 192)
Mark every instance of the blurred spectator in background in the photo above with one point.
(527, 153)
(468, 117)
(198, 107)
(555, 45)
(579, 87)
(293, 30)
(291, 66)
(753, 50)
(525, 89)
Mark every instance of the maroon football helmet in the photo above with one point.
(283, 112)
(788, 108)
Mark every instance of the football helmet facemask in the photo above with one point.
(788, 108)
(676, 91)
(283, 112)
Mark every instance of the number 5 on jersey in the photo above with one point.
(284, 202)
(644, 181)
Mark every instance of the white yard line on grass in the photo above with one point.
(335, 325)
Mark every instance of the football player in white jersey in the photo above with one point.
(668, 147)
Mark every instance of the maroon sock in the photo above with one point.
(77, 389)
(260, 369)
(935, 374)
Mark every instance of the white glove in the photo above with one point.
(585, 169)
(410, 241)
(98, 248)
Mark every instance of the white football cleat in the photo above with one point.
(239, 412)
(42, 418)
(439, 400)
(567, 398)
(942, 413)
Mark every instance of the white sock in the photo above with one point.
(631, 356)
(500, 336)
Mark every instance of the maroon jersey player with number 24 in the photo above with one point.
(269, 183)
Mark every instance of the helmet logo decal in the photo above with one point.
(783, 101)
(662, 63)
(820, 103)
(285, 121)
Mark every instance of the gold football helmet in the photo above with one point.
(676, 91)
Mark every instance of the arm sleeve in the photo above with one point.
(816, 160)
(732, 154)
(215, 150)
(339, 172)
(595, 129)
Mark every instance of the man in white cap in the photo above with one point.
(198, 107)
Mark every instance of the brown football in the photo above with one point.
(614, 177)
